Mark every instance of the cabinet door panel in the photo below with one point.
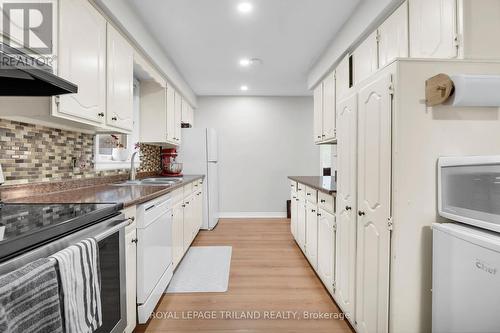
(346, 204)
(294, 214)
(178, 116)
(393, 36)
(301, 224)
(366, 58)
(120, 80)
(318, 113)
(177, 233)
(326, 249)
(433, 28)
(342, 84)
(312, 234)
(82, 60)
(374, 199)
(171, 132)
(329, 107)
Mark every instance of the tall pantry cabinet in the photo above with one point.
(388, 146)
(346, 203)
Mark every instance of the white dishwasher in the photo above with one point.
(154, 254)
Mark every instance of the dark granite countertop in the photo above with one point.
(324, 184)
(127, 195)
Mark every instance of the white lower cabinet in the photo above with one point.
(130, 273)
(326, 249)
(301, 224)
(294, 214)
(312, 234)
(313, 227)
(177, 233)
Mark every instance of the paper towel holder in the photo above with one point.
(438, 89)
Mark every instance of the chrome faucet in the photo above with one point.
(133, 171)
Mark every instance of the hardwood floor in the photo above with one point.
(269, 275)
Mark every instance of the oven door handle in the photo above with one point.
(109, 232)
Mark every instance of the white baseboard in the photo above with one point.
(252, 215)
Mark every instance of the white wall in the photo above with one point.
(365, 19)
(262, 140)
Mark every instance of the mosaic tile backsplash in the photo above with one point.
(31, 153)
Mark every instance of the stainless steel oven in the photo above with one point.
(110, 235)
(469, 190)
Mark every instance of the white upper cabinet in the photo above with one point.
(153, 115)
(82, 60)
(478, 23)
(318, 113)
(374, 206)
(324, 110)
(178, 117)
(120, 69)
(187, 113)
(343, 78)
(365, 58)
(329, 107)
(171, 132)
(393, 36)
(433, 29)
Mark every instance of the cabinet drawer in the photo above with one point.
(326, 202)
(311, 194)
(301, 191)
(293, 186)
(197, 186)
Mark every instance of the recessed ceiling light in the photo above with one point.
(244, 88)
(245, 7)
(245, 62)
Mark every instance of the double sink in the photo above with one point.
(151, 182)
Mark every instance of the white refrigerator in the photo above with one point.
(466, 279)
(199, 156)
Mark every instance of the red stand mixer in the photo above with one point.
(170, 168)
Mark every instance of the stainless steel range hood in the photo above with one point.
(22, 75)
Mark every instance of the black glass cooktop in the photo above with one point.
(23, 226)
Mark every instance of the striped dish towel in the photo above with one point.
(29, 299)
(81, 290)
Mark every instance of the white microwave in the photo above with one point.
(469, 190)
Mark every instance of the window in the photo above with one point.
(113, 151)
(106, 154)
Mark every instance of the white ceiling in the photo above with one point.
(207, 38)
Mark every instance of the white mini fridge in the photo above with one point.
(199, 155)
(466, 279)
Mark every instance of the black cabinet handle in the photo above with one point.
(348, 208)
(313, 210)
(308, 193)
(360, 213)
(101, 114)
(322, 201)
(114, 118)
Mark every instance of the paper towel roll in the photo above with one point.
(476, 90)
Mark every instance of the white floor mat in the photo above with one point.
(204, 269)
